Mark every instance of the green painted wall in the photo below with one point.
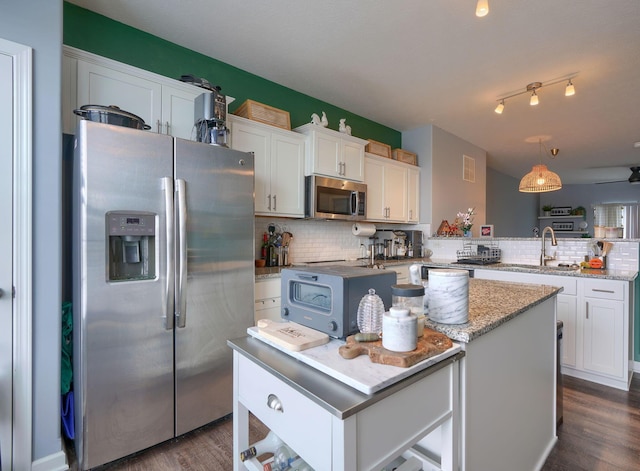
(100, 35)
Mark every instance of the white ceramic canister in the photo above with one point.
(399, 330)
(448, 296)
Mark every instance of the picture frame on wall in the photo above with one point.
(486, 230)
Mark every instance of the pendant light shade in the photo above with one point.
(540, 180)
(534, 99)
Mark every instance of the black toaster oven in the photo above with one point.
(327, 298)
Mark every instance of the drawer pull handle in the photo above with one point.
(274, 403)
(603, 290)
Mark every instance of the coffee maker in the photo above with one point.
(415, 239)
(211, 117)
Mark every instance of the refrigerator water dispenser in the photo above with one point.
(131, 253)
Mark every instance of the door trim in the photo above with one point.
(22, 249)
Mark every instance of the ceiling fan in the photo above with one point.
(634, 178)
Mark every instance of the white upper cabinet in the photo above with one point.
(165, 104)
(332, 153)
(413, 194)
(387, 189)
(279, 166)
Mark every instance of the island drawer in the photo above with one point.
(604, 289)
(260, 391)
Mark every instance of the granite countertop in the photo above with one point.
(274, 272)
(491, 304)
(621, 275)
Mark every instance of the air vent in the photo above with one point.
(468, 169)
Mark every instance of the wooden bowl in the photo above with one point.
(260, 263)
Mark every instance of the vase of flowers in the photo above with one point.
(464, 222)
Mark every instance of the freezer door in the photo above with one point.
(217, 186)
(123, 353)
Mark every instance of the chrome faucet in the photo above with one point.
(554, 242)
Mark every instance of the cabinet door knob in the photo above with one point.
(274, 403)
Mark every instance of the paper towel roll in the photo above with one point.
(363, 229)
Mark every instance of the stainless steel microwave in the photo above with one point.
(327, 298)
(330, 198)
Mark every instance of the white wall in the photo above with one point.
(588, 195)
(38, 24)
(444, 193)
(513, 214)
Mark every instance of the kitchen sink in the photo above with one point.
(534, 268)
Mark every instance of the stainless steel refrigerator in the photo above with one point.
(163, 274)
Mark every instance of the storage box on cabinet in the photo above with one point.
(298, 421)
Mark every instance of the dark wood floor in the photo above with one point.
(600, 432)
(601, 428)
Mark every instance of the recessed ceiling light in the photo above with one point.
(636, 144)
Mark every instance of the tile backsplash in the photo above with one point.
(321, 240)
(624, 255)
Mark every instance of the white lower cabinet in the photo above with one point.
(603, 328)
(333, 427)
(279, 166)
(267, 299)
(597, 315)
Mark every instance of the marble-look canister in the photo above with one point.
(399, 330)
(449, 296)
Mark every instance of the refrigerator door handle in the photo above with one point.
(181, 285)
(169, 289)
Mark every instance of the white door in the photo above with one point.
(6, 259)
(15, 255)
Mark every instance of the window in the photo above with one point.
(625, 215)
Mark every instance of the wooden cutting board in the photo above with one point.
(430, 344)
(292, 336)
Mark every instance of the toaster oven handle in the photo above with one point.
(308, 277)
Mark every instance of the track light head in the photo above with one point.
(500, 108)
(569, 89)
(482, 8)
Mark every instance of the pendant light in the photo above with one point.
(500, 108)
(540, 179)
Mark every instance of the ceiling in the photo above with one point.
(410, 63)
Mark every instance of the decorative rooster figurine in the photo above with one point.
(315, 119)
(344, 127)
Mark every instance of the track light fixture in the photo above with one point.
(532, 88)
(482, 8)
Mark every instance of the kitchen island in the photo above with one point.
(508, 375)
(506, 393)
